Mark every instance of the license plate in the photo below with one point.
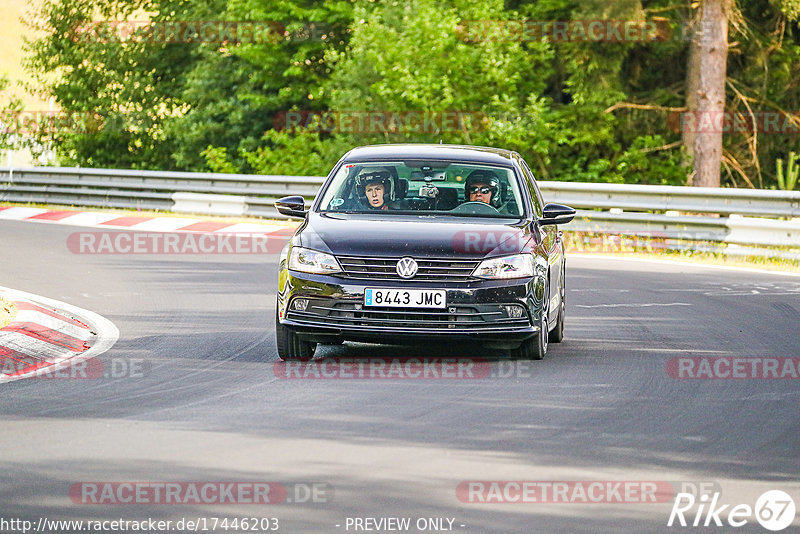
(406, 298)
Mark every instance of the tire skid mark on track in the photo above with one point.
(188, 382)
(633, 305)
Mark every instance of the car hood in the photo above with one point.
(413, 235)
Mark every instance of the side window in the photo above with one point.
(533, 189)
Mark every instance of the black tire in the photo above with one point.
(290, 346)
(557, 334)
(534, 348)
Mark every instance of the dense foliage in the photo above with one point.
(604, 111)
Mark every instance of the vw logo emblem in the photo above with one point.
(407, 267)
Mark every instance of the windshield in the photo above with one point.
(430, 187)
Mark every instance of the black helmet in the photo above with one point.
(489, 178)
(375, 176)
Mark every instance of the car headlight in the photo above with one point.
(311, 261)
(518, 266)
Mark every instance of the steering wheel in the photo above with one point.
(476, 208)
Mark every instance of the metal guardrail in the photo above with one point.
(114, 188)
(669, 212)
(757, 202)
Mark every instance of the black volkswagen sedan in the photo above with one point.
(407, 243)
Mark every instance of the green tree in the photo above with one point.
(238, 96)
(416, 57)
(134, 84)
(604, 111)
(10, 107)
(163, 101)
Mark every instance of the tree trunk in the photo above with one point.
(711, 93)
(692, 86)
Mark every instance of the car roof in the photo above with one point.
(410, 151)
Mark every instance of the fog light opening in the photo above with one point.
(514, 312)
(300, 304)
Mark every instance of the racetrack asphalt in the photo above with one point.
(207, 406)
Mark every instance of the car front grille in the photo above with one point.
(325, 312)
(430, 270)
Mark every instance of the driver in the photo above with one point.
(374, 189)
(483, 186)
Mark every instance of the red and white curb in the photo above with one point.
(48, 335)
(94, 219)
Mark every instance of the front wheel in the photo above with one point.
(534, 348)
(290, 346)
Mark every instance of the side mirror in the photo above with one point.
(556, 214)
(293, 206)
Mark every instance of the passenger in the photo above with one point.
(375, 192)
(374, 189)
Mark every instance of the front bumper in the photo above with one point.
(475, 310)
